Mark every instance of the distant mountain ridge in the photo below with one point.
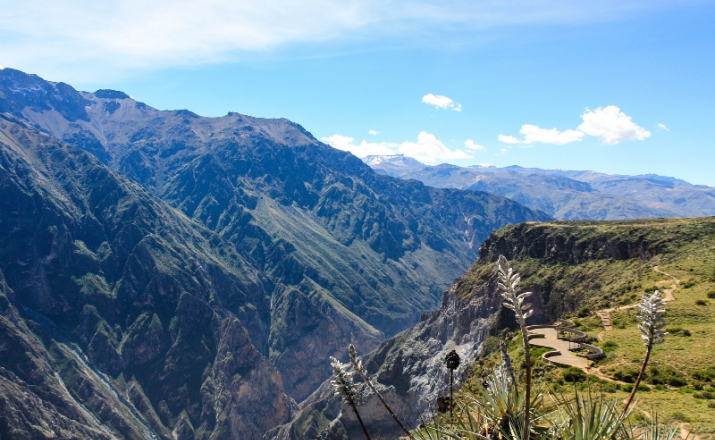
(566, 195)
(327, 253)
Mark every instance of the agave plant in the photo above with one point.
(651, 325)
(654, 430)
(345, 387)
(362, 371)
(508, 282)
(588, 417)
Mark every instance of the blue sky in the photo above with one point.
(627, 86)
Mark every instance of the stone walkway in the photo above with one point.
(551, 340)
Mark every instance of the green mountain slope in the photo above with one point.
(575, 269)
(121, 318)
(362, 255)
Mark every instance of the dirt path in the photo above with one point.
(605, 314)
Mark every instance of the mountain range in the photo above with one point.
(565, 195)
(167, 275)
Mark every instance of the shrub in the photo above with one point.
(666, 376)
(688, 284)
(704, 375)
(687, 333)
(711, 294)
(573, 374)
(705, 395)
(584, 312)
(701, 302)
(673, 330)
(609, 346)
(627, 375)
(491, 344)
(628, 388)
(711, 405)
(680, 416)
(609, 387)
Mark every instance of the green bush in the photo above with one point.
(680, 416)
(609, 346)
(704, 375)
(666, 376)
(688, 284)
(491, 344)
(627, 375)
(629, 387)
(705, 395)
(701, 302)
(573, 374)
(711, 294)
(583, 312)
(711, 405)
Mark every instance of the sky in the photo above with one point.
(622, 87)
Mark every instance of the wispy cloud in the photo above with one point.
(441, 102)
(426, 149)
(51, 36)
(663, 127)
(373, 132)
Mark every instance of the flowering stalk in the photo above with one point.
(651, 309)
(508, 282)
(360, 369)
(507, 361)
(346, 388)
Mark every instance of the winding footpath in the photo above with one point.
(605, 314)
(564, 356)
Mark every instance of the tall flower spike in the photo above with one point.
(508, 282)
(651, 309)
(507, 361)
(343, 382)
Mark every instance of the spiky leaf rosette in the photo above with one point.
(343, 382)
(651, 309)
(508, 282)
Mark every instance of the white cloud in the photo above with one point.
(472, 146)
(441, 102)
(65, 39)
(663, 127)
(427, 149)
(611, 125)
(534, 133)
(502, 151)
(608, 123)
(509, 139)
(363, 149)
(373, 132)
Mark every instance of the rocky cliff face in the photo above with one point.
(202, 295)
(361, 255)
(408, 368)
(125, 319)
(566, 264)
